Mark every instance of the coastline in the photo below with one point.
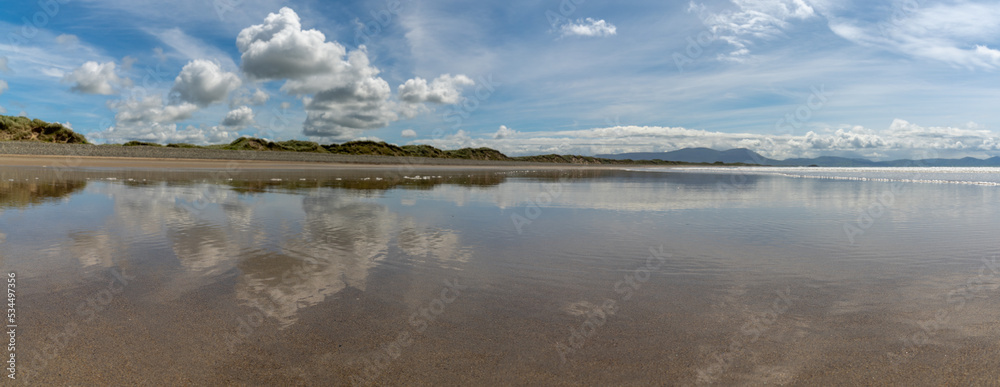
(97, 156)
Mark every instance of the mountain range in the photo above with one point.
(742, 155)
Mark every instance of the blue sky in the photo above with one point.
(787, 78)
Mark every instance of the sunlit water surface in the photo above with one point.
(659, 276)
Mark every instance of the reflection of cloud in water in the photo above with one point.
(184, 217)
(431, 245)
(341, 239)
(93, 248)
(284, 263)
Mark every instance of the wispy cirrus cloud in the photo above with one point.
(749, 21)
(959, 34)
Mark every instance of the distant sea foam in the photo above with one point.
(987, 176)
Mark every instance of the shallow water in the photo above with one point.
(682, 276)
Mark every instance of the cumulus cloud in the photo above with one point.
(240, 117)
(149, 119)
(901, 139)
(409, 133)
(504, 132)
(751, 20)
(446, 89)
(67, 39)
(151, 110)
(96, 78)
(588, 27)
(203, 83)
(281, 49)
(3, 86)
(245, 97)
(3, 65)
(348, 96)
(342, 92)
(166, 133)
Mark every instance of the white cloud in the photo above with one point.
(901, 139)
(504, 132)
(3, 86)
(67, 39)
(165, 133)
(281, 49)
(954, 33)
(52, 72)
(245, 97)
(191, 48)
(588, 27)
(96, 78)
(240, 117)
(752, 20)
(128, 62)
(151, 110)
(203, 83)
(443, 90)
(348, 96)
(3, 65)
(149, 119)
(158, 52)
(409, 133)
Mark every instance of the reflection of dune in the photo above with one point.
(20, 194)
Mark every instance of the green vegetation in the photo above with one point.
(140, 143)
(25, 129)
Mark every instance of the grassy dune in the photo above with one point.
(24, 129)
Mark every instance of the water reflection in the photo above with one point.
(21, 189)
(372, 247)
(290, 242)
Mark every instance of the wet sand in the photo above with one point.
(304, 279)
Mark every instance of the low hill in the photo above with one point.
(25, 129)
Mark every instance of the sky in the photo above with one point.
(785, 78)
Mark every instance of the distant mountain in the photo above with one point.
(741, 155)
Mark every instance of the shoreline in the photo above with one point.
(28, 154)
(53, 161)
